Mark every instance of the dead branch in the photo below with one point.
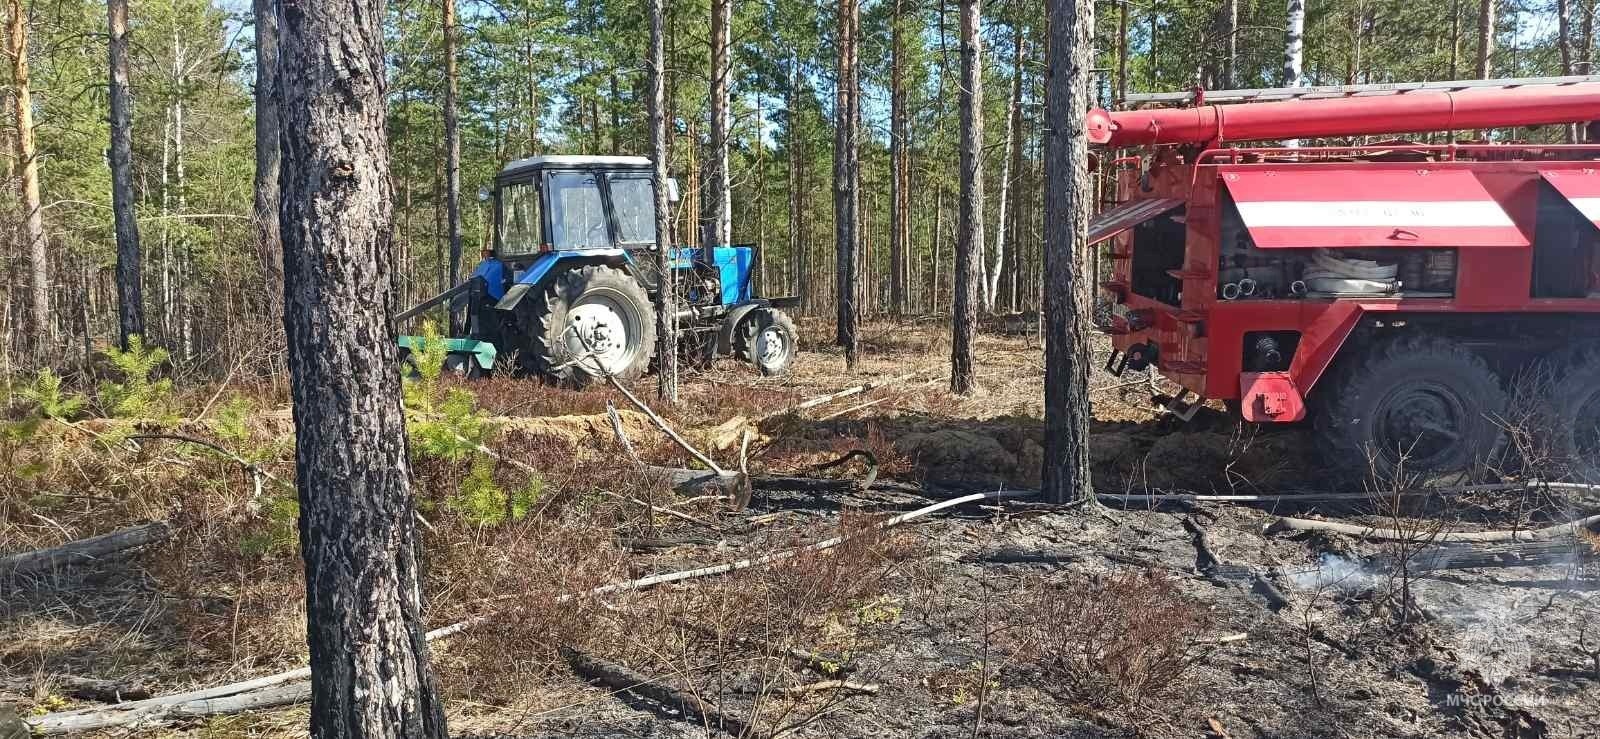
(684, 481)
(84, 551)
(617, 677)
(830, 397)
(831, 685)
(1569, 528)
(634, 399)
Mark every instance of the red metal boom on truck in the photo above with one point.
(1391, 292)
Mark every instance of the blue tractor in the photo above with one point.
(565, 292)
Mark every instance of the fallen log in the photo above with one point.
(133, 714)
(1569, 528)
(50, 723)
(617, 677)
(82, 688)
(84, 551)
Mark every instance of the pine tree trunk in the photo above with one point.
(969, 225)
(1485, 38)
(797, 248)
(32, 233)
(452, 149)
(130, 299)
(1122, 50)
(666, 297)
(718, 183)
(1068, 202)
(847, 180)
(898, 214)
(1564, 48)
(1230, 42)
(370, 677)
(269, 244)
(1010, 169)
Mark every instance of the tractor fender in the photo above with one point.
(546, 265)
(730, 323)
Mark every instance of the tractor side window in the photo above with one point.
(634, 199)
(577, 216)
(519, 219)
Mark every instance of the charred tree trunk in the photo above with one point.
(269, 243)
(130, 298)
(370, 675)
(718, 183)
(667, 291)
(1067, 205)
(969, 225)
(1485, 38)
(33, 243)
(452, 149)
(847, 180)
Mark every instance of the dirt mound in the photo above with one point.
(1209, 462)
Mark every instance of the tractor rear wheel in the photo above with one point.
(767, 338)
(1572, 413)
(1419, 405)
(592, 321)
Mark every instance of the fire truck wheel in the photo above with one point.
(767, 339)
(1415, 405)
(592, 317)
(1573, 401)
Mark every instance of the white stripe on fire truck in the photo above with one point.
(1589, 207)
(1335, 213)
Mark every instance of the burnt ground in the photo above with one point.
(993, 619)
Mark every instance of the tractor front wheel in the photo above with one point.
(767, 338)
(1419, 405)
(593, 321)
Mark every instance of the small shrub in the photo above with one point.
(138, 395)
(1122, 640)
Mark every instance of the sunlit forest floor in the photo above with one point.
(1003, 619)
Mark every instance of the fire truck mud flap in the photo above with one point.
(1270, 397)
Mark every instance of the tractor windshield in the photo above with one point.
(634, 200)
(519, 219)
(577, 215)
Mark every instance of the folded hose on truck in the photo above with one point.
(1334, 274)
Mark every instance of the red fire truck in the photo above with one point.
(1389, 293)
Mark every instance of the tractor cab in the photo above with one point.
(567, 281)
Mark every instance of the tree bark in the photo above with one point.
(666, 297)
(452, 147)
(1486, 11)
(358, 538)
(718, 184)
(1067, 204)
(130, 298)
(269, 243)
(847, 179)
(969, 226)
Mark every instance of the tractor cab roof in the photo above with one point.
(575, 161)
